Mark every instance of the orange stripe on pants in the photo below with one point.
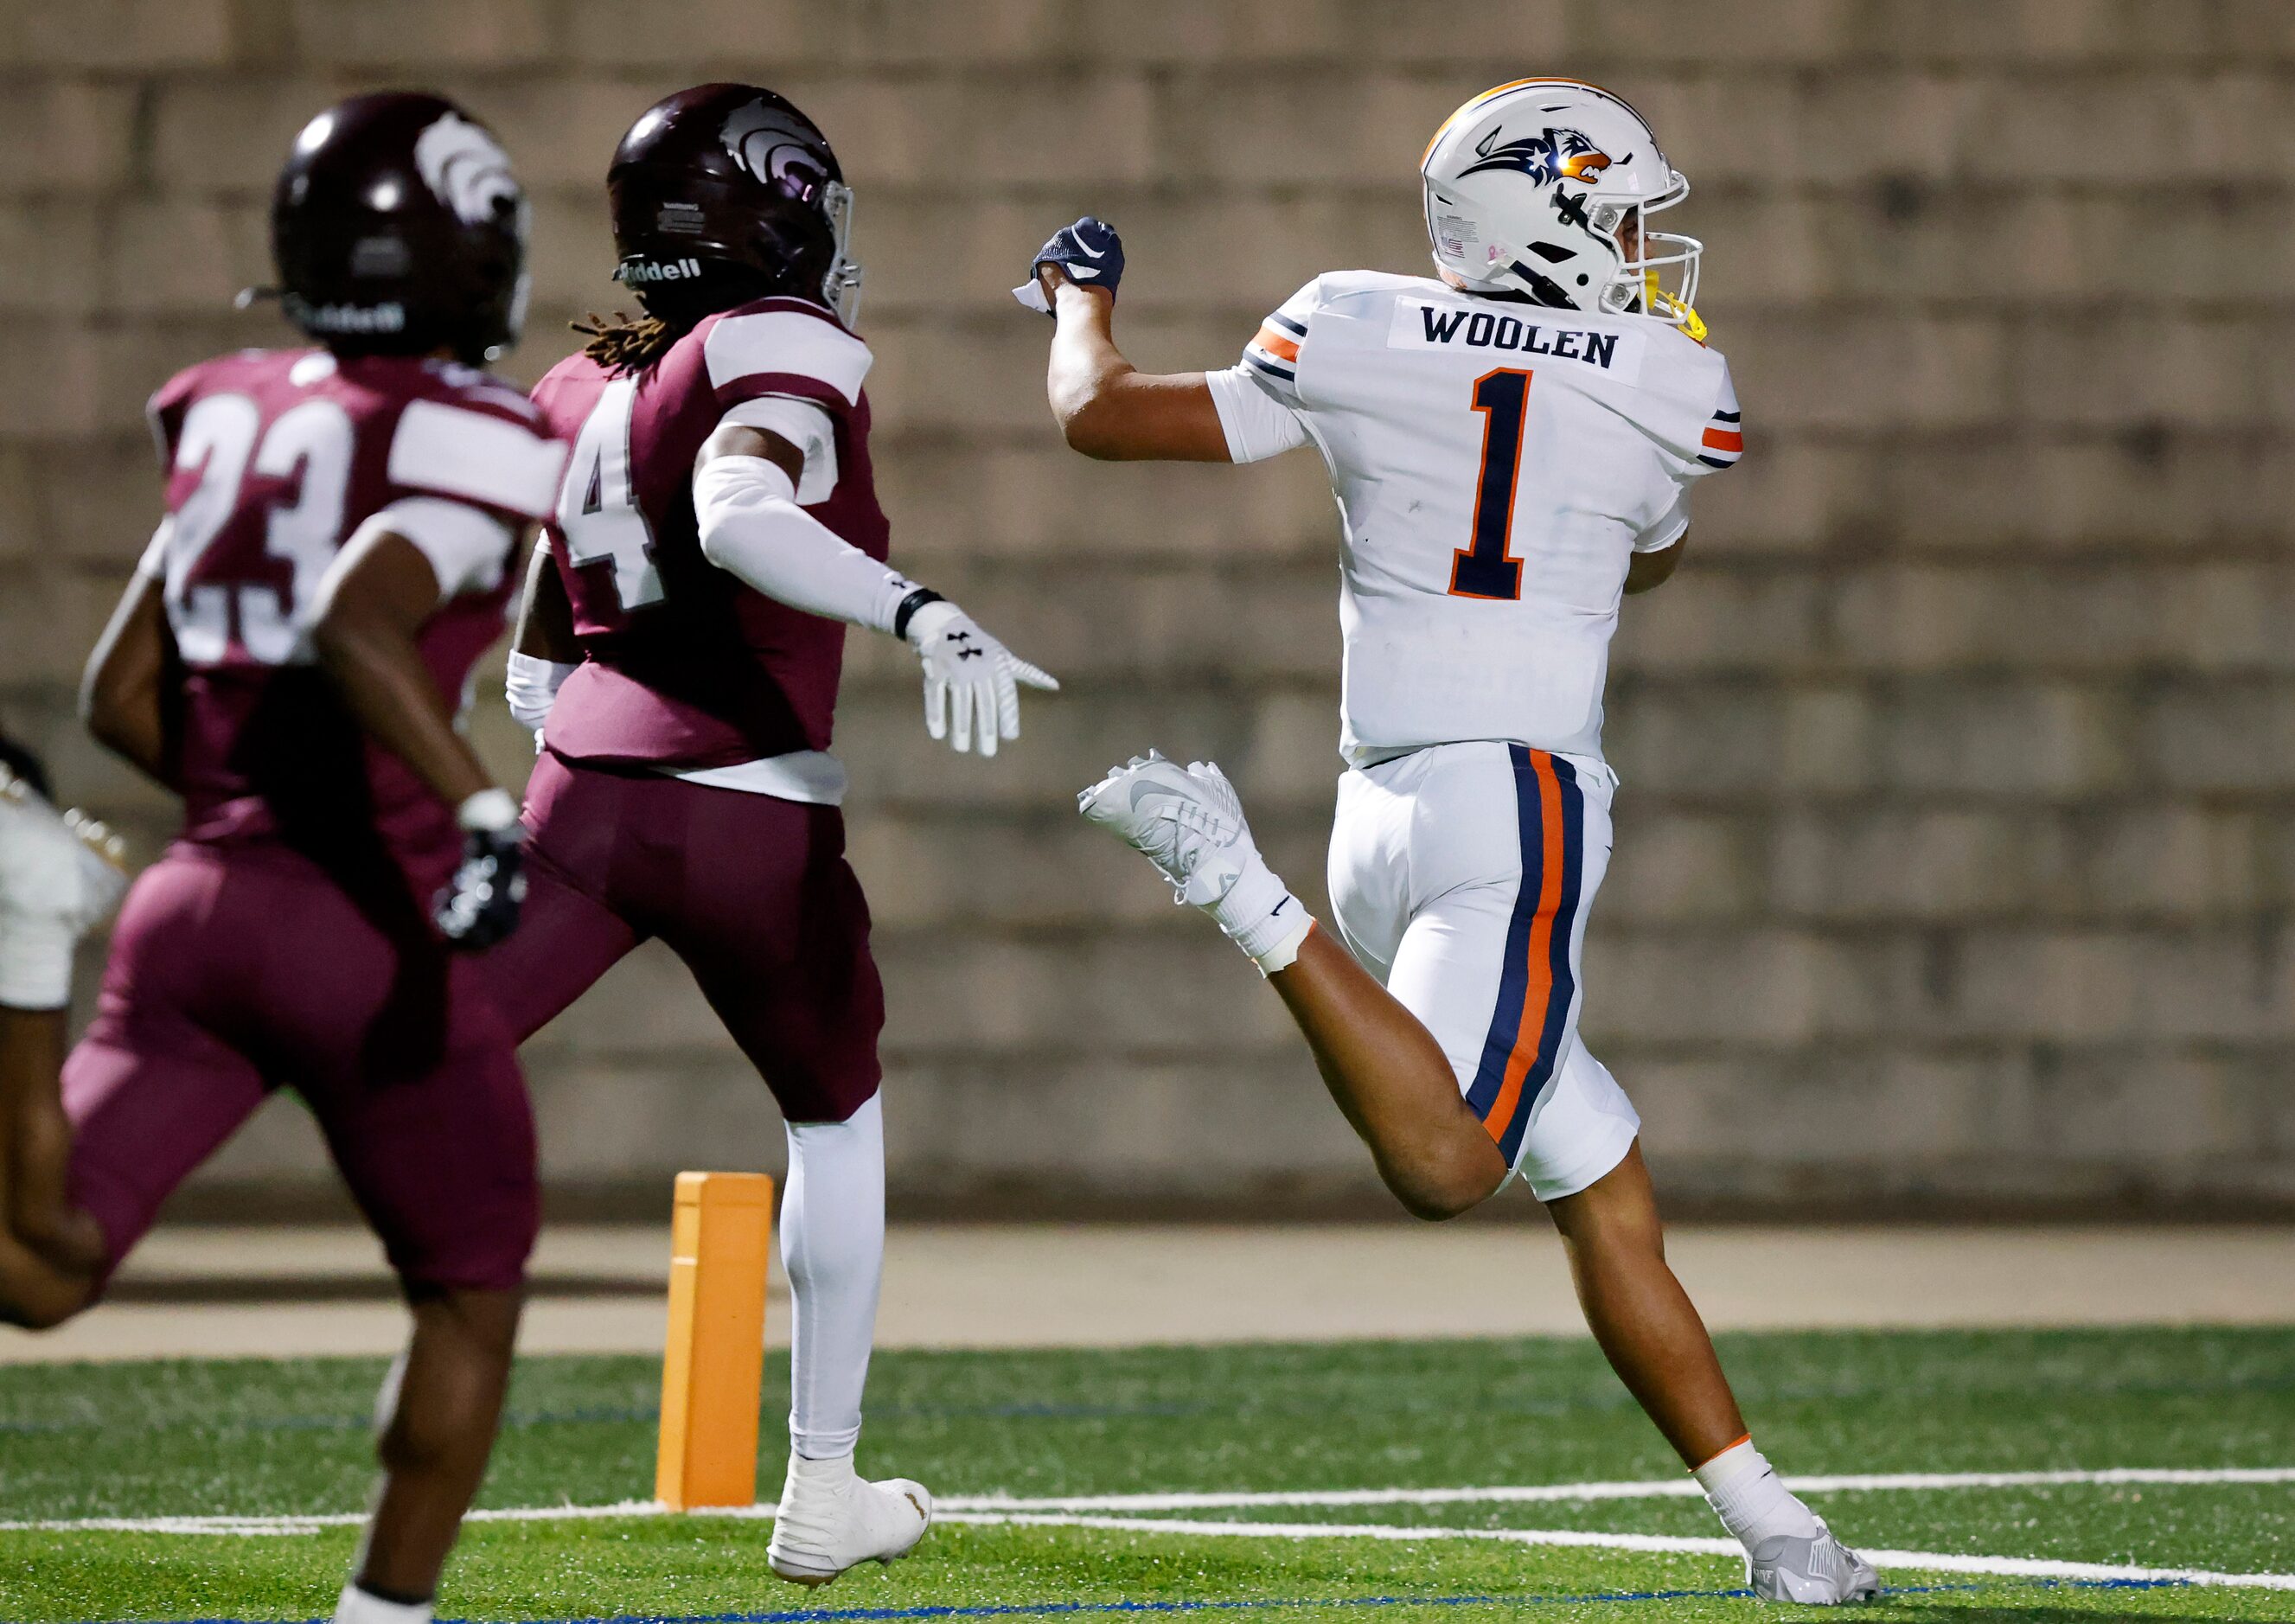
(1539, 992)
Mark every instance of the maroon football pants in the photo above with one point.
(238, 970)
(753, 893)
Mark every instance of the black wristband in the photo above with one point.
(910, 604)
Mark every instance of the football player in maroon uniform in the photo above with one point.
(680, 650)
(338, 549)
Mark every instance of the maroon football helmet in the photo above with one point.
(727, 193)
(398, 229)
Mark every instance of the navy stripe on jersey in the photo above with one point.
(1272, 369)
(1297, 329)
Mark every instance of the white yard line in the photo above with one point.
(1661, 1489)
(1933, 1561)
(1093, 1511)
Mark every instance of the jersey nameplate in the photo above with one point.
(1421, 325)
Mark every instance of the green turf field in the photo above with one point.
(264, 1440)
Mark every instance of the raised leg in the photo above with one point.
(1391, 1080)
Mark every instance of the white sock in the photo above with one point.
(1261, 915)
(1751, 1500)
(355, 1606)
(833, 1247)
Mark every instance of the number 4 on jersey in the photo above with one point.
(1486, 568)
(598, 511)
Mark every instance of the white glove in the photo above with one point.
(969, 672)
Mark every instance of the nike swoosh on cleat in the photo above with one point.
(1076, 270)
(1087, 248)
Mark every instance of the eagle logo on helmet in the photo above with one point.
(466, 169)
(1551, 155)
(773, 149)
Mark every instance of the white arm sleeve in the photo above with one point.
(752, 527)
(803, 425)
(1258, 426)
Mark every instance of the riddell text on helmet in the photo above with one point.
(656, 270)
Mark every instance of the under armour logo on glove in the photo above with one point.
(972, 681)
(1091, 253)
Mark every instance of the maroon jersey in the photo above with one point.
(275, 458)
(686, 666)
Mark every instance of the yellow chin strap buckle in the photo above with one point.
(1658, 300)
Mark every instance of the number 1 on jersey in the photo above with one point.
(1486, 568)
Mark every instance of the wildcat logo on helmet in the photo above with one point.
(466, 169)
(771, 146)
(1550, 155)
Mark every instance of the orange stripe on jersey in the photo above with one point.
(1281, 346)
(1725, 439)
(1532, 1031)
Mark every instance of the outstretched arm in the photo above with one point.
(746, 502)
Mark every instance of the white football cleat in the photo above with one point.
(1186, 820)
(1813, 1572)
(830, 1518)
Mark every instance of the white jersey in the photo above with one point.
(1497, 465)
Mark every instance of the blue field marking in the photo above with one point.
(1047, 1610)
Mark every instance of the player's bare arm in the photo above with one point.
(123, 698)
(1107, 408)
(376, 602)
(545, 629)
(372, 606)
(1651, 571)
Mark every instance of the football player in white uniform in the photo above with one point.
(1513, 448)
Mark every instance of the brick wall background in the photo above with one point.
(1958, 837)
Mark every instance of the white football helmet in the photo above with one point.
(1527, 186)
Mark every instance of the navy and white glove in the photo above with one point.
(479, 906)
(1090, 252)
